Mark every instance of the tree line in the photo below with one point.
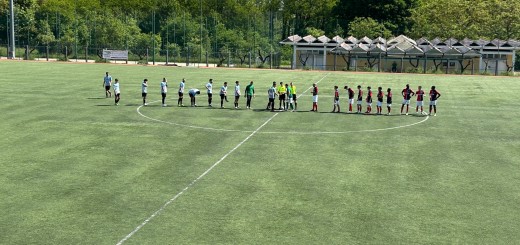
(244, 26)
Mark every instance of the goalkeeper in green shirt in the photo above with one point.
(250, 94)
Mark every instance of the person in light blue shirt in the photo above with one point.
(192, 93)
(107, 83)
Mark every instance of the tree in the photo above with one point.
(369, 27)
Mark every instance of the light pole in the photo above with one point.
(12, 50)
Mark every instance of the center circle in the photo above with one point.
(288, 122)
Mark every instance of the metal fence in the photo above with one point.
(235, 58)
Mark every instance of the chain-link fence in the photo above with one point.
(235, 58)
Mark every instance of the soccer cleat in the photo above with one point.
(435, 114)
(406, 114)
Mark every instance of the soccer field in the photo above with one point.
(76, 169)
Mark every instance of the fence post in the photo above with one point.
(229, 59)
(207, 61)
(146, 56)
(271, 60)
(26, 52)
(86, 54)
(47, 52)
(249, 54)
(496, 67)
(66, 54)
(167, 56)
(188, 56)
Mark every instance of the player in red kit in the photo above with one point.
(380, 96)
(336, 99)
(369, 100)
(389, 100)
(350, 97)
(407, 94)
(434, 95)
(359, 99)
(314, 97)
(420, 97)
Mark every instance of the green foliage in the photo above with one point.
(314, 31)
(369, 27)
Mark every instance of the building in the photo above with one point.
(402, 54)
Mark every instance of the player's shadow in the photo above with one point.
(105, 105)
(97, 98)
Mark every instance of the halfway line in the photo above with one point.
(201, 176)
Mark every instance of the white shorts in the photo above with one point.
(315, 98)
(379, 103)
(389, 105)
(369, 104)
(336, 102)
(291, 100)
(351, 101)
(359, 102)
(406, 102)
(433, 102)
(419, 103)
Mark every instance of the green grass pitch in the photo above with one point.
(75, 169)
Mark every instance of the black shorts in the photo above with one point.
(282, 97)
(163, 95)
(191, 95)
(181, 94)
(237, 97)
(210, 95)
(271, 100)
(222, 96)
(143, 95)
(107, 88)
(294, 97)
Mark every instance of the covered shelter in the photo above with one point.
(401, 53)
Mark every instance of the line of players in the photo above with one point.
(407, 94)
(287, 96)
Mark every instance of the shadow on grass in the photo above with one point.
(97, 98)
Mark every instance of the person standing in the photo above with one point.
(336, 99)
(369, 100)
(237, 94)
(420, 99)
(107, 83)
(181, 92)
(281, 96)
(389, 100)
(144, 90)
(209, 87)
(380, 97)
(314, 98)
(350, 92)
(288, 98)
(271, 94)
(223, 95)
(250, 93)
(294, 97)
(407, 94)
(164, 91)
(434, 95)
(359, 99)
(192, 93)
(117, 92)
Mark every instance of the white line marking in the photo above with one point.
(200, 177)
(189, 126)
(192, 183)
